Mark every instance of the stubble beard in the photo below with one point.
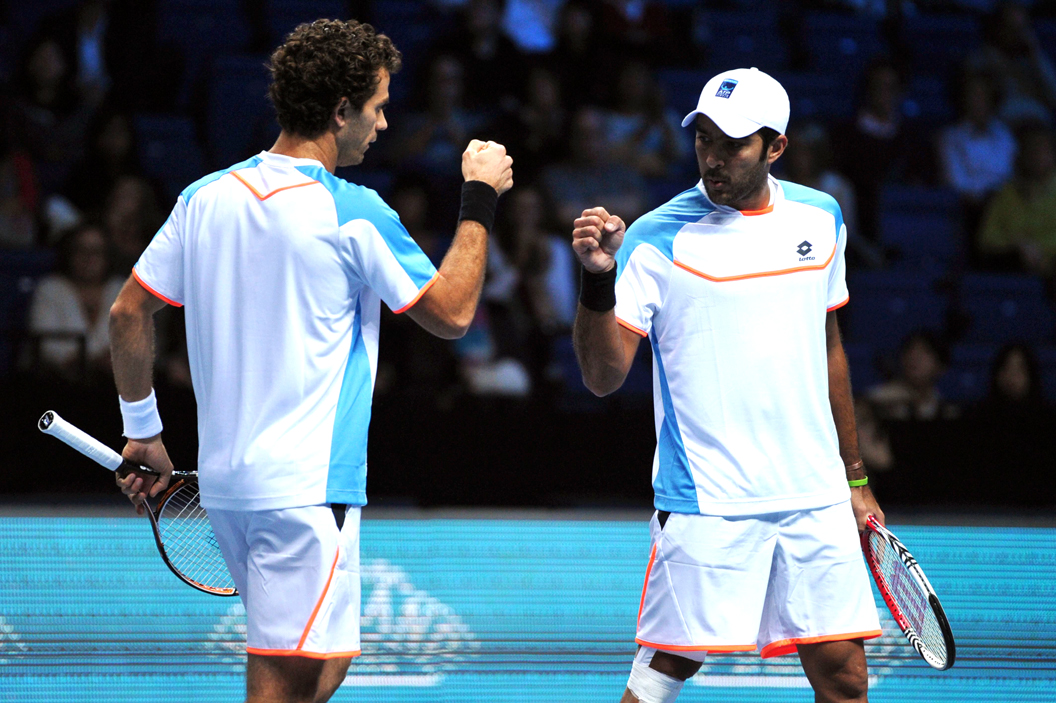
(739, 190)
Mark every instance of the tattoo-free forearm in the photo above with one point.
(132, 350)
(600, 350)
(448, 308)
(842, 402)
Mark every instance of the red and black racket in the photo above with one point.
(909, 595)
(181, 527)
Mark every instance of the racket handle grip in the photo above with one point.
(128, 467)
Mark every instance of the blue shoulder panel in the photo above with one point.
(356, 202)
(660, 226)
(808, 196)
(193, 188)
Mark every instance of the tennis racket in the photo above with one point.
(181, 527)
(908, 595)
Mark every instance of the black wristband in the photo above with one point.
(597, 291)
(478, 203)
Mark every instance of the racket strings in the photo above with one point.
(909, 597)
(189, 541)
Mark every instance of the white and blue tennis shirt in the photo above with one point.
(734, 306)
(281, 267)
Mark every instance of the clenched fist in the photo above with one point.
(488, 162)
(596, 238)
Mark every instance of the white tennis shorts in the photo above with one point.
(298, 576)
(731, 584)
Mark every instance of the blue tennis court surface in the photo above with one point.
(482, 610)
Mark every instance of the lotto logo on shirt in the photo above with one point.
(726, 89)
(805, 248)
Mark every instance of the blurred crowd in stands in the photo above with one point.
(930, 122)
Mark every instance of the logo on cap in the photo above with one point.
(726, 89)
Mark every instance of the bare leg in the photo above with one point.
(670, 664)
(282, 679)
(836, 670)
(333, 676)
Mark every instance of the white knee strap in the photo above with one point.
(650, 686)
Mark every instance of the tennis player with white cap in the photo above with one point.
(759, 485)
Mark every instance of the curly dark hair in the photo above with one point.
(322, 62)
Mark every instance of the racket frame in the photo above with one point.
(911, 565)
(52, 424)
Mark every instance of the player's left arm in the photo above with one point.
(132, 355)
(842, 402)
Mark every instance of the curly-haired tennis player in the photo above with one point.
(282, 268)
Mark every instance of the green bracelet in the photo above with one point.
(858, 482)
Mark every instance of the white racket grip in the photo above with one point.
(51, 423)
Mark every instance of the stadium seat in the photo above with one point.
(842, 44)
(169, 151)
(202, 29)
(284, 15)
(927, 101)
(820, 96)
(738, 39)
(968, 378)
(861, 357)
(886, 306)
(1005, 308)
(241, 120)
(941, 42)
(1047, 361)
(19, 272)
(924, 225)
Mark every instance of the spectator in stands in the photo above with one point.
(808, 161)
(18, 199)
(433, 139)
(643, 26)
(71, 307)
(978, 151)
(873, 442)
(111, 153)
(535, 131)
(644, 133)
(913, 395)
(492, 63)
(581, 59)
(875, 145)
(590, 175)
(1014, 57)
(131, 218)
(48, 118)
(1019, 225)
(1007, 428)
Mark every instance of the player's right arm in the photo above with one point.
(604, 348)
(448, 307)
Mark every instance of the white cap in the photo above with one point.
(742, 101)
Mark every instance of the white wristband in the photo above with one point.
(141, 418)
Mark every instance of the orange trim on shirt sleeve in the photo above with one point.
(301, 653)
(153, 292)
(781, 272)
(260, 196)
(319, 603)
(776, 649)
(645, 586)
(632, 328)
(696, 648)
(754, 213)
(837, 306)
(427, 286)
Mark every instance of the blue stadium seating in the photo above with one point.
(864, 372)
(885, 307)
(284, 15)
(1047, 361)
(738, 39)
(1005, 308)
(940, 42)
(924, 225)
(968, 378)
(826, 97)
(240, 115)
(842, 44)
(202, 29)
(927, 100)
(19, 271)
(169, 152)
